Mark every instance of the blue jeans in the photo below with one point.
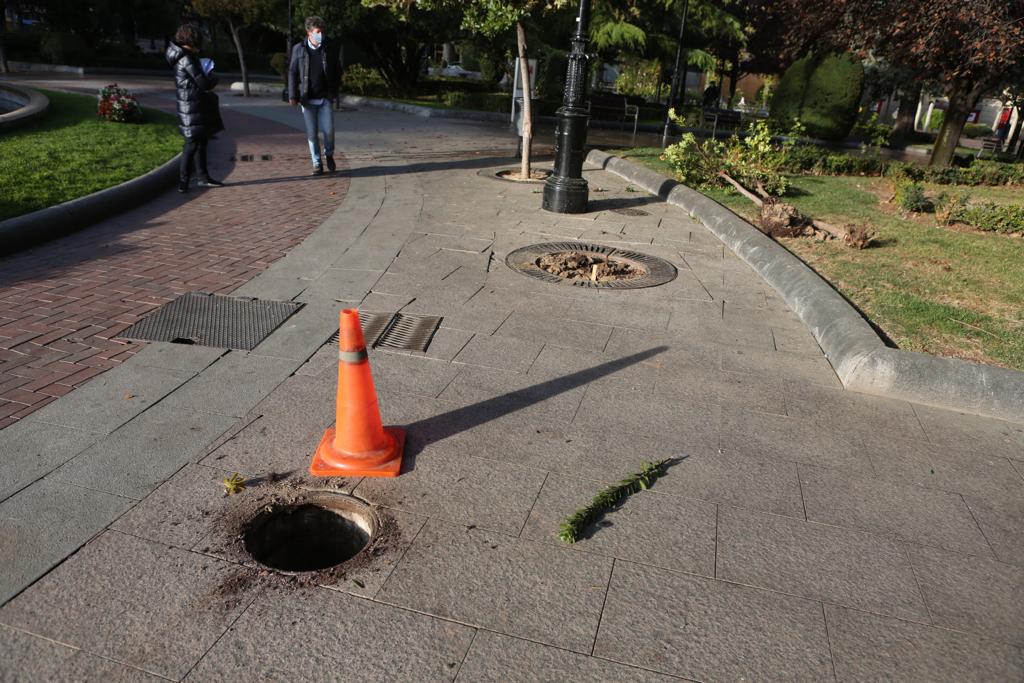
(319, 118)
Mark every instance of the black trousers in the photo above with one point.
(195, 148)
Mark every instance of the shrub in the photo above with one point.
(117, 104)
(949, 207)
(938, 117)
(1003, 218)
(822, 94)
(477, 101)
(551, 74)
(359, 79)
(639, 77)
(977, 130)
(910, 197)
(65, 48)
(902, 170)
(279, 62)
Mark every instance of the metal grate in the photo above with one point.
(396, 330)
(657, 271)
(213, 320)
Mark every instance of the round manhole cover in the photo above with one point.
(311, 534)
(590, 265)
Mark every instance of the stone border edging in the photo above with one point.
(36, 104)
(55, 221)
(860, 358)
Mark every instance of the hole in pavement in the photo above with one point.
(310, 536)
(184, 340)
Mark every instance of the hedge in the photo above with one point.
(823, 93)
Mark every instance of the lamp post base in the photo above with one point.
(565, 195)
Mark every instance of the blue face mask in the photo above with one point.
(315, 39)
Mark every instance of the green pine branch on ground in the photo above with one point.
(71, 153)
(609, 498)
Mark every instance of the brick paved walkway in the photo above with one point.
(63, 303)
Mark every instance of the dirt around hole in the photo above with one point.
(580, 265)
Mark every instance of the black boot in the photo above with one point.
(183, 185)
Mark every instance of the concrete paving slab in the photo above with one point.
(680, 352)
(871, 647)
(44, 523)
(318, 634)
(636, 315)
(913, 514)
(600, 411)
(577, 335)
(112, 399)
(140, 603)
(972, 594)
(660, 530)
(501, 659)
(251, 377)
(856, 413)
(741, 481)
(139, 456)
(340, 284)
(282, 286)
(28, 657)
(519, 588)
(851, 568)
(303, 333)
(785, 366)
(704, 629)
(740, 390)
(460, 488)
(187, 357)
(281, 433)
(29, 450)
(799, 341)
(503, 353)
(411, 375)
(1001, 519)
(992, 437)
(940, 466)
(760, 435)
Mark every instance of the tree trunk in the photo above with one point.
(524, 78)
(907, 113)
(962, 99)
(734, 77)
(3, 27)
(241, 55)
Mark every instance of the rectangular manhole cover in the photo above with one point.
(213, 320)
(396, 330)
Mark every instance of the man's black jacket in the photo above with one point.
(298, 70)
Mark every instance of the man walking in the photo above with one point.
(313, 81)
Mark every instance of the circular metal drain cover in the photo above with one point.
(315, 533)
(631, 212)
(653, 271)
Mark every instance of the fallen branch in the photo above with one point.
(975, 327)
(572, 529)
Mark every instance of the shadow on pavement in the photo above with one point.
(440, 427)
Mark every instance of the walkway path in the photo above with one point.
(63, 303)
(806, 533)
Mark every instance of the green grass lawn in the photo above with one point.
(938, 290)
(71, 153)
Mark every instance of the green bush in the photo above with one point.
(937, 119)
(910, 197)
(477, 101)
(821, 93)
(902, 170)
(949, 207)
(977, 130)
(551, 74)
(1003, 218)
(279, 62)
(65, 48)
(362, 80)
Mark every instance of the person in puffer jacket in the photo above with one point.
(194, 116)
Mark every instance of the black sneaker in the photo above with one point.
(183, 186)
(209, 182)
(331, 166)
(318, 170)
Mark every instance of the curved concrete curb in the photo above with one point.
(34, 104)
(860, 358)
(54, 221)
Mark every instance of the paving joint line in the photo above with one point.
(828, 641)
(604, 603)
(469, 649)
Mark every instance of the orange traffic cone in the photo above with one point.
(358, 445)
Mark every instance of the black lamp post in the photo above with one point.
(674, 90)
(565, 190)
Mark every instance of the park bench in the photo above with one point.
(991, 145)
(622, 111)
(721, 118)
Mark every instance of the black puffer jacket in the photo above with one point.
(190, 82)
